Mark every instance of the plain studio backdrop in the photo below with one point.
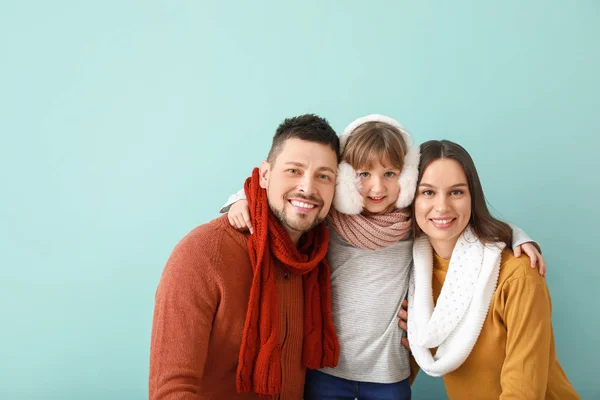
(125, 124)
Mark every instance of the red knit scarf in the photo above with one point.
(259, 368)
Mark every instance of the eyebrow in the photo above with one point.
(299, 164)
(453, 186)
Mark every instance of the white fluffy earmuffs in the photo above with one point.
(348, 199)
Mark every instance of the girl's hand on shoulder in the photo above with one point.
(239, 216)
(534, 255)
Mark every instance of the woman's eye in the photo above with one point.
(457, 192)
(427, 192)
(363, 174)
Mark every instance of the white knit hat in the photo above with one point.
(348, 199)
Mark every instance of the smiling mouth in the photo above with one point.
(376, 199)
(442, 222)
(302, 204)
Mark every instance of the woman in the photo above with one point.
(484, 313)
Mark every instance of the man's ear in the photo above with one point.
(263, 173)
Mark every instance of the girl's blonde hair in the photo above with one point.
(373, 141)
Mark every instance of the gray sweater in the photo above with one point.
(367, 287)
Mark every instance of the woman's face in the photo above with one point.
(443, 204)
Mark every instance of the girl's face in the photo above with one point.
(443, 204)
(379, 187)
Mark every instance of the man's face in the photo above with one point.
(300, 184)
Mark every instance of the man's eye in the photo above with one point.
(363, 174)
(292, 171)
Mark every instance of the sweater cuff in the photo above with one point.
(239, 195)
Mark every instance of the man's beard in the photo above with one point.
(298, 226)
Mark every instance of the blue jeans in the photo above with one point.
(321, 386)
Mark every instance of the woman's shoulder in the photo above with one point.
(513, 268)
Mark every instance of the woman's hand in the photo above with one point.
(239, 216)
(403, 315)
(534, 255)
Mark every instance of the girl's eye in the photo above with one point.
(457, 192)
(389, 174)
(363, 174)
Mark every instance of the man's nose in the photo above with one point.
(307, 184)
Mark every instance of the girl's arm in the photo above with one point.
(523, 243)
(241, 195)
(237, 211)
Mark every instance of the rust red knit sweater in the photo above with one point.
(199, 316)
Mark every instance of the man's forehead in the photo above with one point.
(305, 153)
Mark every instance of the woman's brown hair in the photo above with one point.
(487, 228)
(375, 141)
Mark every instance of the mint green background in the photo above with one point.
(125, 124)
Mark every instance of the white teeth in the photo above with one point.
(377, 198)
(442, 221)
(301, 204)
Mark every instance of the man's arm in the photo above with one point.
(186, 301)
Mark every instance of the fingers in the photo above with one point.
(237, 221)
(246, 219)
(536, 259)
(533, 261)
(517, 251)
(402, 325)
(403, 315)
(405, 343)
(231, 220)
(542, 266)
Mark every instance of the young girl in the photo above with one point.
(485, 311)
(370, 256)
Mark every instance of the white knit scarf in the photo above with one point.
(456, 321)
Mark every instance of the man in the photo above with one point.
(237, 315)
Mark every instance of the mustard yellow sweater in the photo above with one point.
(514, 357)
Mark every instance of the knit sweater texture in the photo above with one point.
(201, 305)
(367, 288)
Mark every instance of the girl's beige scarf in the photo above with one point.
(371, 232)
